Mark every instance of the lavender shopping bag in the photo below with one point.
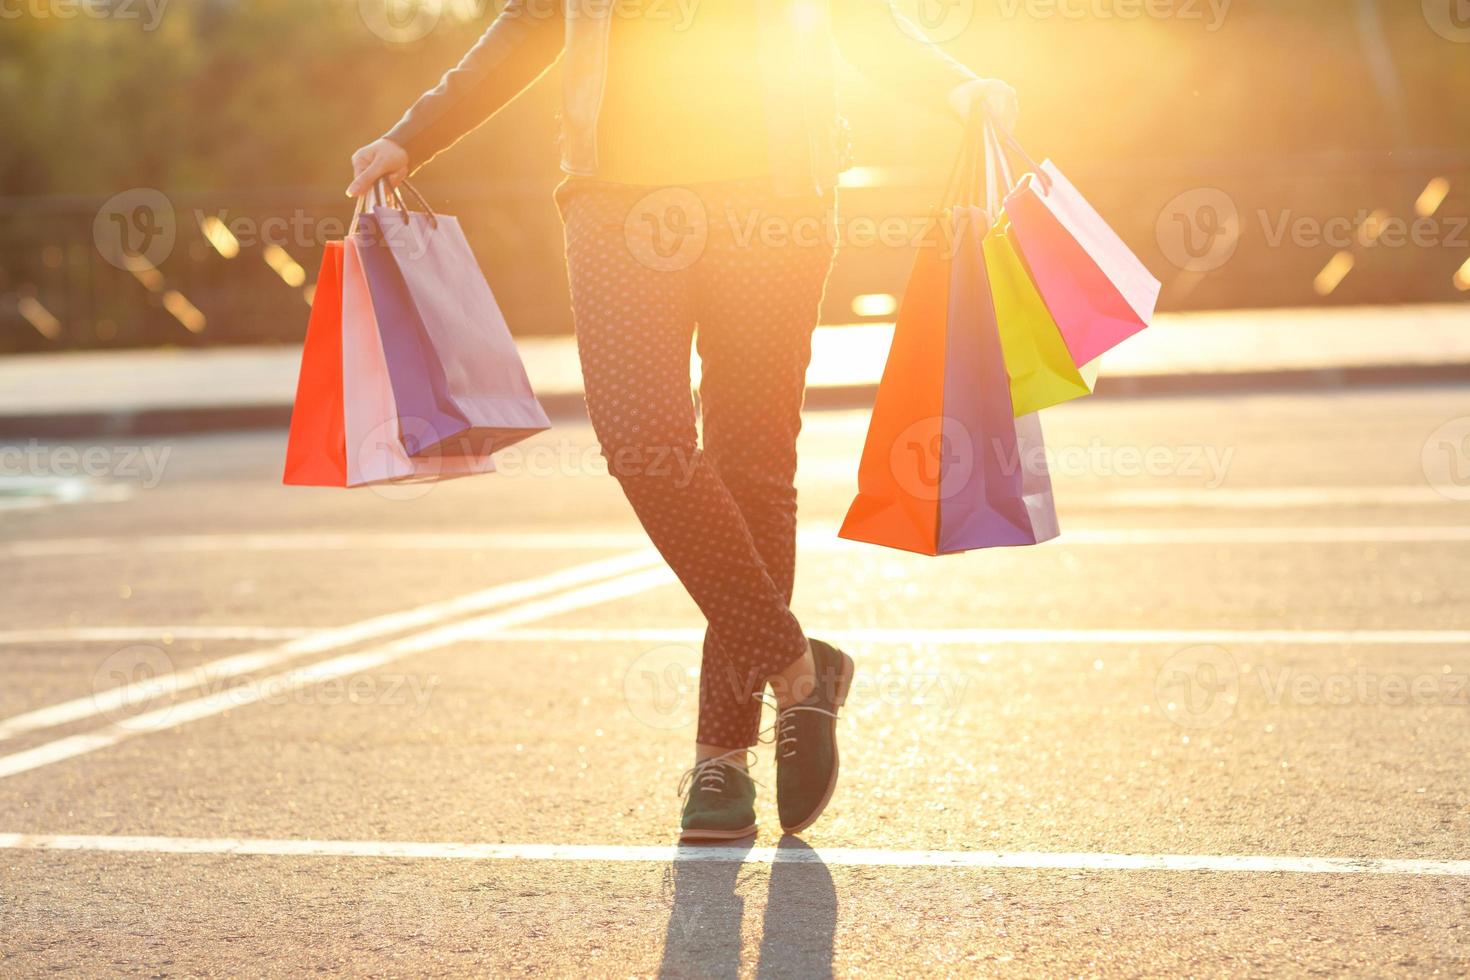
(372, 424)
(454, 368)
(1003, 497)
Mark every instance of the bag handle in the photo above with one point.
(383, 193)
(1006, 140)
(964, 184)
(982, 172)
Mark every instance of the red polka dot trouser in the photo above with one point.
(647, 266)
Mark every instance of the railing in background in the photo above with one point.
(145, 268)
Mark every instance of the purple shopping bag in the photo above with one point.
(454, 368)
(1003, 498)
(946, 466)
(1096, 289)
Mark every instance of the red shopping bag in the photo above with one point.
(947, 466)
(316, 450)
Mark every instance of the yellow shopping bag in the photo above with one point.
(1040, 368)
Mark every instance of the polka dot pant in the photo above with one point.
(646, 266)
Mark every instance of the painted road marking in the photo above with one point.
(816, 538)
(283, 684)
(120, 698)
(981, 636)
(665, 854)
(143, 634)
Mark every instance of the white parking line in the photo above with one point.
(283, 684)
(118, 698)
(1001, 636)
(664, 854)
(143, 634)
(812, 537)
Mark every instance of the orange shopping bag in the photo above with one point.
(316, 450)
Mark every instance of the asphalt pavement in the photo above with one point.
(1219, 727)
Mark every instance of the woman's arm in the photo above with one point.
(887, 47)
(524, 40)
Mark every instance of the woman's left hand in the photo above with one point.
(990, 94)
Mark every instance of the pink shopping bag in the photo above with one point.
(1097, 290)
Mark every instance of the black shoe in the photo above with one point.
(720, 804)
(806, 742)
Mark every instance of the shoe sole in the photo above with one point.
(839, 698)
(695, 836)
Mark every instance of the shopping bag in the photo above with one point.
(1096, 289)
(373, 426)
(316, 453)
(946, 466)
(451, 361)
(1038, 363)
(1041, 369)
(346, 426)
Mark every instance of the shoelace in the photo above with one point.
(782, 730)
(786, 728)
(710, 774)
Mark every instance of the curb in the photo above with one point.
(569, 406)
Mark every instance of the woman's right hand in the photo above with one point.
(381, 159)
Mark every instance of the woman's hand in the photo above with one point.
(381, 159)
(991, 94)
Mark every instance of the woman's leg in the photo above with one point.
(757, 303)
(634, 326)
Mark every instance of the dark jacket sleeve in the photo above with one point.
(893, 51)
(522, 42)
